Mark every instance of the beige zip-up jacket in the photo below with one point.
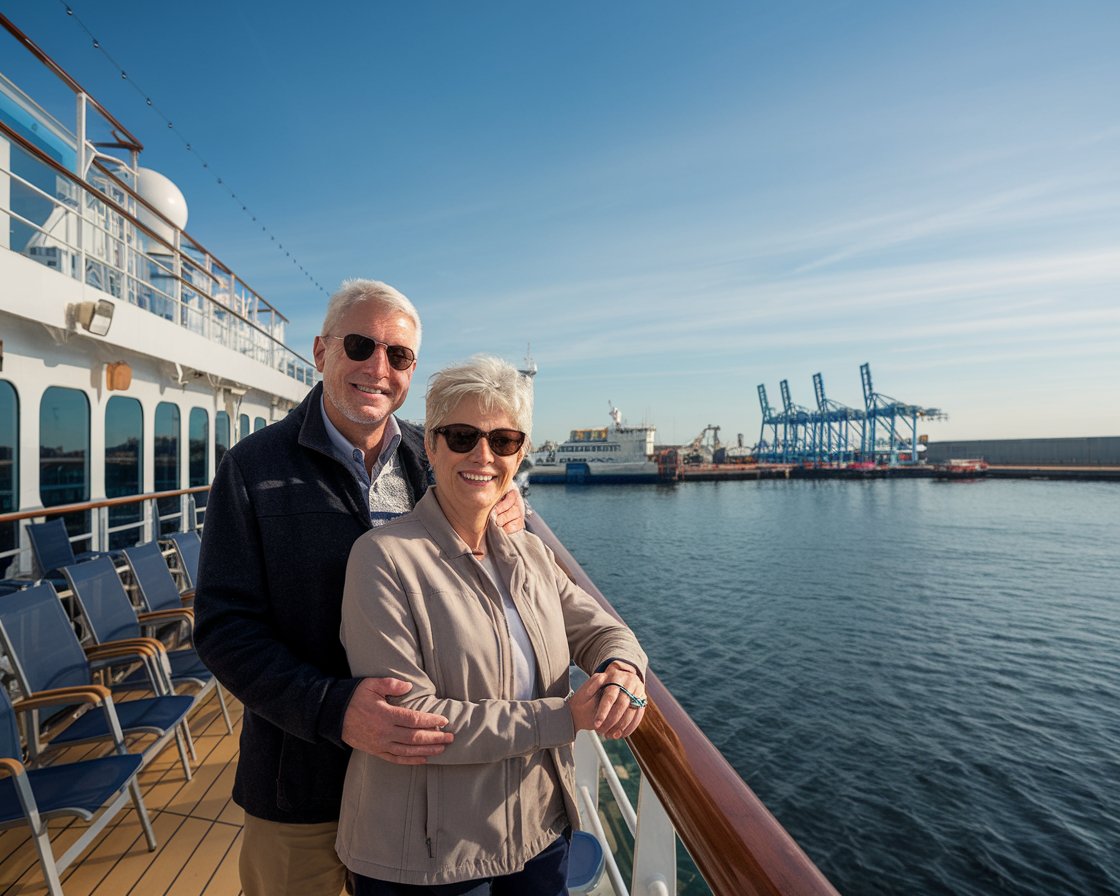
(418, 606)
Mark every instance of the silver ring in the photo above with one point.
(636, 702)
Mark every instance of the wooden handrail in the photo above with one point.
(132, 144)
(81, 506)
(738, 846)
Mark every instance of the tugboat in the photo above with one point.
(962, 468)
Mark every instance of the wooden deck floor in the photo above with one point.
(196, 823)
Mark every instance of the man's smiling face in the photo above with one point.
(360, 395)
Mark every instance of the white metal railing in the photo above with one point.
(654, 866)
(90, 232)
(152, 523)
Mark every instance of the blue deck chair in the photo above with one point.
(159, 593)
(45, 655)
(113, 620)
(34, 796)
(187, 546)
(52, 550)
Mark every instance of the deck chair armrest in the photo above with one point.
(119, 650)
(145, 646)
(187, 596)
(151, 652)
(97, 694)
(89, 693)
(12, 767)
(185, 614)
(157, 620)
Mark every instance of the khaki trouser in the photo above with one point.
(290, 859)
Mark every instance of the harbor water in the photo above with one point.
(920, 679)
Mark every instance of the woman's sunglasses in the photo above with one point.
(462, 438)
(360, 348)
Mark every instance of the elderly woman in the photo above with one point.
(484, 625)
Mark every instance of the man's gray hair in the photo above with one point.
(496, 384)
(358, 292)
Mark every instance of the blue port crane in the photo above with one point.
(768, 449)
(884, 432)
(890, 434)
(838, 428)
(797, 428)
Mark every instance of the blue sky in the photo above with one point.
(671, 203)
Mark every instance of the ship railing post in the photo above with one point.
(592, 763)
(101, 529)
(177, 279)
(5, 193)
(587, 768)
(23, 558)
(82, 154)
(151, 530)
(655, 847)
(83, 237)
(82, 163)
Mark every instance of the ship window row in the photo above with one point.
(581, 449)
(65, 457)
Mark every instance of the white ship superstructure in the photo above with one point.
(130, 356)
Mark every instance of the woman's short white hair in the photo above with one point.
(496, 384)
(358, 292)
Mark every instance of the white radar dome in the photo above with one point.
(159, 192)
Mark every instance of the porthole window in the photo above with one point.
(64, 456)
(168, 432)
(9, 467)
(124, 467)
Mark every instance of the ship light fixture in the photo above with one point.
(96, 317)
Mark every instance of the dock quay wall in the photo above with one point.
(1091, 451)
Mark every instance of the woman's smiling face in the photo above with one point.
(472, 483)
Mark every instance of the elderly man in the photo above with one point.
(285, 507)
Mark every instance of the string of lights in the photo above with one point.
(97, 45)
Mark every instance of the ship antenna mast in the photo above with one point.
(528, 366)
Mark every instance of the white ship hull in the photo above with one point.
(591, 472)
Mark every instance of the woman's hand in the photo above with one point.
(509, 512)
(601, 704)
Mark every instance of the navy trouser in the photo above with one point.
(546, 874)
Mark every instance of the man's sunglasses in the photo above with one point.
(359, 348)
(462, 438)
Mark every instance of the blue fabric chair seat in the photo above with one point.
(188, 546)
(111, 617)
(85, 785)
(185, 665)
(30, 797)
(52, 550)
(156, 584)
(152, 714)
